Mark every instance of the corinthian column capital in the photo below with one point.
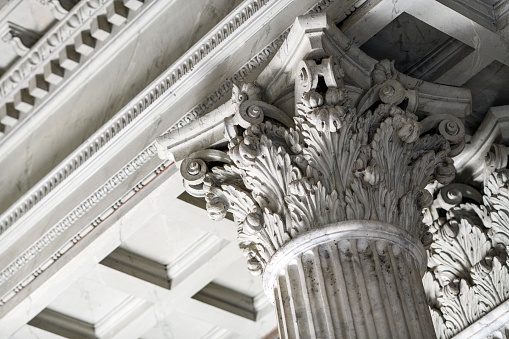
(328, 185)
(337, 159)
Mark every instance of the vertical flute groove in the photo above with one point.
(353, 288)
(323, 295)
(372, 280)
(280, 309)
(386, 289)
(292, 322)
(306, 302)
(343, 302)
(363, 296)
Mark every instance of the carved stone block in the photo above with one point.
(117, 13)
(100, 28)
(133, 4)
(53, 72)
(9, 116)
(38, 87)
(84, 43)
(69, 58)
(23, 101)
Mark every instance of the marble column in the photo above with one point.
(329, 203)
(353, 279)
(329, 195)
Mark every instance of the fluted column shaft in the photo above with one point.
(350, 280)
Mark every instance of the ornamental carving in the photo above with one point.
(468, 268)
(340, 157)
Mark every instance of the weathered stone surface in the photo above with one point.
(344, 155)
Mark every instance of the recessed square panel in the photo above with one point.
(168, 236)
(88, 301)
(180, 325)
(238, 278)
(418, 49)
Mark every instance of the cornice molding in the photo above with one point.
(57, 55)
(72, 217)
(471, 161)
(477, 10)
(502, 14)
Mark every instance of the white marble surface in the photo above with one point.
(88, 301)
(176, 324)
(169, 235)
(74, 116)
(238, 278)
(31, 15)
(30, 332)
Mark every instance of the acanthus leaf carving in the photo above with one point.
(468, 271)
(333, 161)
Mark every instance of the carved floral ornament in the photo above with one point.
(352, 148)
(335, 160)
(468, 269)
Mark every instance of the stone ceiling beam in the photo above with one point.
(490, 44)
(78, 260)
(434, 63)
(63, 325)
(163, 301)
(464, 70)
(479, 11)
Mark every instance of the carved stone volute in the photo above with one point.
(341, 161)
(342, 176)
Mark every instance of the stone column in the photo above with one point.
(329, 197)
(353, 279)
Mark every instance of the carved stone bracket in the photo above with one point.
(353, 148)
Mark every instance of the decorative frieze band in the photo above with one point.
(76, 214)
